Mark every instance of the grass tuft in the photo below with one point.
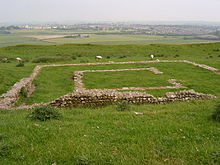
(5, 150)
(44, 113)
(123, 106)
(20, 64)
(24, 92)
(216, 113)
(82, 160)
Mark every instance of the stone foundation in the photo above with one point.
(104, 97)
(8, 99)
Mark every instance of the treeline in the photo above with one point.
(217, 33)
(4, 32)
(9, 28)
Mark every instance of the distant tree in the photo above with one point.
(217, 33)
(9, 27)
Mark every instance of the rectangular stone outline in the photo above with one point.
(79, 85)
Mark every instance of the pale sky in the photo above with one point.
(109, 10)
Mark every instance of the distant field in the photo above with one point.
(44, 37)
(128, 39)
(14, 39)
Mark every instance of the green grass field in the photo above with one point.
(175, 133)
(30, 36)
(202, 53)
(14, 39)
(108, 80)
(54, 87)
(128, 39)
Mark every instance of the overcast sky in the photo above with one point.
(109, 10)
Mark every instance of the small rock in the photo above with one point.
(139, 113)
(37, 125)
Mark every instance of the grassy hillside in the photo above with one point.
(202, 53)
(59, 79)
(175, 133)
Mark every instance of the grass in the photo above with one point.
(177, 133)
(108, 80)
(54, 87)
(44, 113)
(10, 74)
(216, 113)
(128, 39)
(51, 59)
(28, 36)
(14, 39)
(51, 88)
(198, 52)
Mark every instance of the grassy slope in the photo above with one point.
(9, 74)
(58, 83)
(177, 133)
(195, 52)
(53, 87)
(198, 53)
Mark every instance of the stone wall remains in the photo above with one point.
(103, 97)
(8, 99)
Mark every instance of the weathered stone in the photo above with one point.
(9, 98)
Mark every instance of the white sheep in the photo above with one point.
(98, 57)
(18, 59)
(152, 56)
(4, 59)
